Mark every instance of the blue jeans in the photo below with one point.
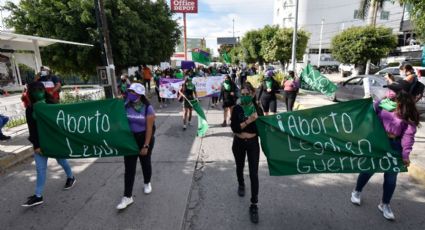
(41, 167)
(3, 121)
(390, 178)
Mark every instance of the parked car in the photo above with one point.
(353, 89)
(420, 71)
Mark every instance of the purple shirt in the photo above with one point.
(137, 120)
(395, 126)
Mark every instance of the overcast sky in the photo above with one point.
(214, 18)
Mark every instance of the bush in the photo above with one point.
(256, 80)
(69, 98)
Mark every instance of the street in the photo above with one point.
(194, 187)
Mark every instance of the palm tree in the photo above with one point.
(370, 8)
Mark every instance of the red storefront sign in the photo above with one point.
(184, 6)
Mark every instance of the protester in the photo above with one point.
(3, 120)
(267, 93)
(214, 97)
(400, 120)
(290, 88)
(187, 92)
(228, 95)
(141, 117)
(38, 94)
(123, 85)
(147, 77)
(51, 82)
(245, 143)
(157, 78)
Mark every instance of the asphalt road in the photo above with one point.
(194, 187)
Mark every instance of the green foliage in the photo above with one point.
(251, 46)
(256, 80)
(141, 31)
(16, 121)
(280, 46)
(356, 45)
(417, 15)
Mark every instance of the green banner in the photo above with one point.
(202, 119)
(201, 56)
(83, 130)
(311, 79)
(346, 137)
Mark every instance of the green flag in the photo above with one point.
(202, 119)
(346, 137)
(201, 56)
(226, 58)
(311, 79)
(83, 130)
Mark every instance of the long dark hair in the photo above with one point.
(408, 68)
(38, 86)
(406, 108)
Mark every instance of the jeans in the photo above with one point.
(290, 99)
(241, 148)
(130, 163)
(41, 167)
(3, 121)
(390, 178)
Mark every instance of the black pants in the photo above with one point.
(250, 147)
(148, 82)
(214, 100)
(160, 99)
(290, 97)
(130, 163)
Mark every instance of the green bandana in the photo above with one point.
(38, 96)
(247, 105)
(138, 106)
(269, 82)
(123, 87)
(190, 86)
(226, 86)
(388, 104)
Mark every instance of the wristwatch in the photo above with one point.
(146, 146)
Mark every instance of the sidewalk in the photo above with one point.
(19, 148)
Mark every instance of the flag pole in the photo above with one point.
(185, 98)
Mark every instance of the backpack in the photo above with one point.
(417, 89)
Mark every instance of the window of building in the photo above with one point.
(385, 15)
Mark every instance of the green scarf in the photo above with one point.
(190, 86)
(226, 86)
(388, 104)
(269, 82)
(138, 106)
(247, 105)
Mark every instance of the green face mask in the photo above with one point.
(246, 100)
(38, 96)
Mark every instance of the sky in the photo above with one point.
(214, 18)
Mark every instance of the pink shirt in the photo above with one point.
(291, 85)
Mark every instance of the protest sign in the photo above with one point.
(169, 87)
(346, 137)
(83, 130)
(208, 86)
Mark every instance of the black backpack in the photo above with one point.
(417, 89)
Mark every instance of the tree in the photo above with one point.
(417, 15)
(251, 43)
(370, 8)
(279, 48)
(357, 45)
(267, 34)
(141, 31)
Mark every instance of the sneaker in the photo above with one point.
(125, 201)
(253, 213)
(184, 127)
(224, 124)
(386, 211)
(213, 106)
(147, 188)
(33, 201)
(160, 106)
(189, 123)
(241, 191)
(4, 137)
(355, 198)
(70, 182)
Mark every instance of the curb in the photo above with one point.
(417, 173)
(15, 158)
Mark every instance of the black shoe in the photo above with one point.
(70, 182)
(241, 191)
(224, 124)
(33, 201)
(253, 213)
(4, 137)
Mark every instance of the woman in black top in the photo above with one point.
(245, 142)
(228, 95)
(187, 91)
(267, 93)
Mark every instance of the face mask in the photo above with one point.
(38, 96)
(133, 97)
(245, 100)
(227, 81)
(43, 73)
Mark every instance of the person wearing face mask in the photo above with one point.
(228, 95)
(187, 92)
(267, 93)
(123, 86)
(38, 94)
(290, 89)
(245, 143)
(141, 117)
(50, 82)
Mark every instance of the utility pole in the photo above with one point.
(294, 39)
(233, 28)
(185, 37)
(320, 43)
(107, 46)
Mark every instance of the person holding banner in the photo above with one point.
(187, 92)
(228, 95)
(245, 143)
(141, 117)
(267, 93)
(290, 87)
(400, 120)
(38, 94)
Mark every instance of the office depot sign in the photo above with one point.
(184, 6)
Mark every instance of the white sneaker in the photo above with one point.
(355, 198)
(386, 211)
(125, 201)
(147, 188)
(184, 127)
(188, 123)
